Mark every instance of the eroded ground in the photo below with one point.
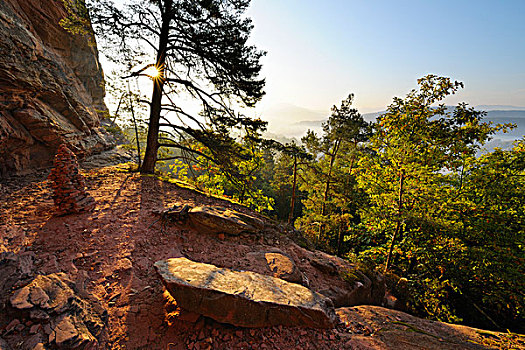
(109, 254)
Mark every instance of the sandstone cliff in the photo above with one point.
(51, 86)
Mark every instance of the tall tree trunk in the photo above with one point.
(152, 143)
(292, 204)
(340, 239)
(327, 185)
(134, 125)
(399, 225)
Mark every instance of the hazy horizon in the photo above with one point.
(319, 52)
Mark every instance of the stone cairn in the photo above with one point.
(67, 183)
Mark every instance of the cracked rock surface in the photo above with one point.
(243, 298)
(58, 316)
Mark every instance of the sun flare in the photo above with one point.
(153, 72)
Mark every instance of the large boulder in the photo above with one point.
(51, 86)
(345, 283)
(280, 264)
(243, 298)
(374, 327)
(223, 220)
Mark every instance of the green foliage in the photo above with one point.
(330, 211)
(77, 22)
(483, 266)
(201, 53)
(433, 212)
(287, 162)
(458, 220)
(202, 172)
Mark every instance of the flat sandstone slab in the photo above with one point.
(224, 220)
(242, 298)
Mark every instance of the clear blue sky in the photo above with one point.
(319, 51)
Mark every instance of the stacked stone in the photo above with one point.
(69, 194)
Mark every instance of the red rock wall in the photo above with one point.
(51, 85)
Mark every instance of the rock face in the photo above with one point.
(51, 85)
(223, 220)
(359, 285)
(244, 299)
(373, 327)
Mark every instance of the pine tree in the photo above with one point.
(197, 49)
(329, 181)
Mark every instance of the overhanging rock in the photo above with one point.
(242, 298)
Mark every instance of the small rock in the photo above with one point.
(47, 328)
(38, 315)
(124, 264)
(204, 346)
(4, 345)
(283, 266)
(34, 342)
(19, 300)
(65, 331)
(119, 313)
(12, 325)
(38, 296)
(35, 328)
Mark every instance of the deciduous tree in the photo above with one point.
(416, 143)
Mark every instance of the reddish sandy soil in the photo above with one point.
(110, 252)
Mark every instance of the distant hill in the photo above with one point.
(499, 108)
(516, 117)
(289, 121)
(495, 116)
(291, 114)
